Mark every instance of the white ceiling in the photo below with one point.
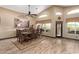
(35, 9)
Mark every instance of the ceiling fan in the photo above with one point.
(29, 12)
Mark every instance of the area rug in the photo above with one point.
(26, 44)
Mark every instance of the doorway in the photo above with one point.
(59, 29)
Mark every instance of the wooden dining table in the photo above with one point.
(25, 36)
(26, 33)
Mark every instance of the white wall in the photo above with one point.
(7, 18)
(51, 12)
(48, 17)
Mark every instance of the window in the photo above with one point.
(46, 26)
(77, 27)
(73, 25)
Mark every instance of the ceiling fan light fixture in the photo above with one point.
(29, 12)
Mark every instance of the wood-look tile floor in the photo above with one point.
(45, 46)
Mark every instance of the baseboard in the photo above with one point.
(48, 36)
(42, 35)
(8, 38)
(61, 37)
(70, 38)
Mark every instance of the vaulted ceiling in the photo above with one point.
(35, 9)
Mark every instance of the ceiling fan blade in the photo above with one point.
(34, 14)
